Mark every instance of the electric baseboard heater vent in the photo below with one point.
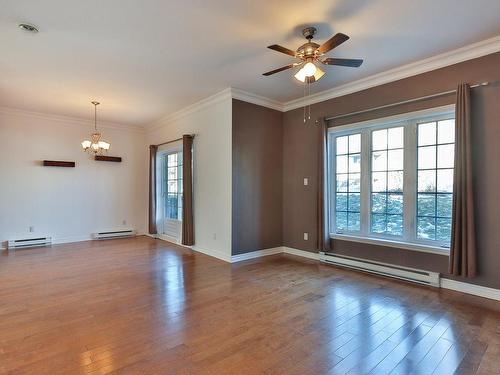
(29, 242)
(384, 269)
(114, 234)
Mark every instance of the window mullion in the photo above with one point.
(365, 182)
(410, 181)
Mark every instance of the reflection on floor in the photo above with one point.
(146, 306)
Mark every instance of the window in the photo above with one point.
(348, 173)
(392, 179)
(435, 179)
(387, 181)
(173, 185)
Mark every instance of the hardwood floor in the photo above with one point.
(143, 306)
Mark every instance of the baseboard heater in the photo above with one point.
(29, 242)
(113, 234)
(384, 269)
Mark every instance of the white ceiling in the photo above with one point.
(146, 59)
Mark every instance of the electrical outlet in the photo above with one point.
(306, 181)
(124, 222)
(306, 236)
(32, 229)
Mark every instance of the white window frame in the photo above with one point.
(409, 238)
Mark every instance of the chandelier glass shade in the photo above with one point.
(96, 145)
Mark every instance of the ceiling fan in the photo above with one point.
(311, 54)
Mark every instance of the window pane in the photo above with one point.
(426, 228)
(379, 182)
(341, 202)
(395, 160)
(446, 131)
(379, 139)
(172, 211)
(172, 186)
(427, 157)
(427, 181)
(395, 225)
(172, 173)
(445, 180)
(395, 181)
(444, 205)
(426, 205)
(341, 220)
(395, 137)
(342, 182)
(446, 154)
(354, 143)
(353, 222)
(443, 230)
(395, 204)
(354, 202)
(342, 164)
(354, 182)
(379, 161)
(379, 202)
(172, 160)
(341, 146)
(355, 163)
(427, 134)
(378, 223)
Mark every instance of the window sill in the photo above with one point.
(391, 243)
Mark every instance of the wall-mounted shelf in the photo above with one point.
(58, 163)
(115, 159)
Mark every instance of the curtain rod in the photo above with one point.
(173, 140)
(402, 102)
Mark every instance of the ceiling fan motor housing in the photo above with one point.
(309, 32)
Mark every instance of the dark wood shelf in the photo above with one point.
(115, 159)
(58, 163)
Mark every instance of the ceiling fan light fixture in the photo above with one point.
(309, 69)
(301, 75)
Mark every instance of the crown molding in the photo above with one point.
(68, 120)
(190, 109)
(256, 99)
(456, 56)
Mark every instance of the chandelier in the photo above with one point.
(95, 145)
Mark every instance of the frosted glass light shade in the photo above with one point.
(104, 145)
(301, 75)
(86, 144)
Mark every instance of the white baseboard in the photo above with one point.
(213, 253)
(477, 290)
(257, 254)
(301, 253)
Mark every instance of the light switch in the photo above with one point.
(306, 181)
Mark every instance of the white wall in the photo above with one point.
(68, 203)
(211, 122)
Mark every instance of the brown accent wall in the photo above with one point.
(300, 150)
(257, 178)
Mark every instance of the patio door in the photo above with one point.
(172, 195)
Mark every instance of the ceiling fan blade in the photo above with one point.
(343, 62)
(279, 69)
(333, 42)
(281, 49)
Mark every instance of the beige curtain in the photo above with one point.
(187, 191)
(152, 189)
(323, 237)
(463, 237)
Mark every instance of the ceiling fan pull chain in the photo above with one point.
(304, 105)
(309, 95)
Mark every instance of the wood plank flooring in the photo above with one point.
(144, 306)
